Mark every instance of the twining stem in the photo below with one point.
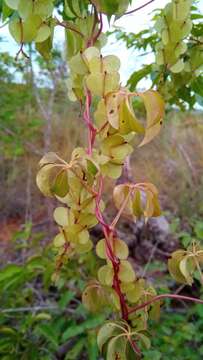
(138, 8)
(164, 296)
(21, 51)
(69, 26)
(100, 29)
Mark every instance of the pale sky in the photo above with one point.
(130, 61)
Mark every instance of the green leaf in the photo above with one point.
(185, 270)
(75, 330)
(94, 297)
(43, 8)
(137, 76)
(9, 271)
(112, 170)
(119, 247)
(173, 266)
(43, 34)
(127, 120)
(49, 158)
(178, 67)
(60, 186)
(15, 30)
(41, 316)
(43, 179)
(25, 8)
(65, 299)
(61, 216)
(105, 275)
(76, 350)
(154, 105)
(49, 333)
(106, 332)
(13, 4)
(126, 273)
(117, 348)
(44, 48)
(59, 240)
(77, 65)
(95, 83)
(144, 340)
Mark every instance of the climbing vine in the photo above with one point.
(111, 126)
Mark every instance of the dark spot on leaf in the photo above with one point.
(111, 111)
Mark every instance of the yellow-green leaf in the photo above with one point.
(61, 216)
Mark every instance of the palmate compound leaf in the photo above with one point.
(59, 240)
(106, 332)
(77, 65)
(180, 49)
(90, 53)
(25, 8)
(52, 179)
(13, 4)
(115, 338)
(119, 247)
(133, 292)
(173, 266)
(120, 193)
(43, 179)
(43, 8)
(116, 148)
(61, 216)
(25, 31)
(44, 48)
(60, 185)
(178, 67)
(95, 297)
(105, 275)
(181, 9)
(100, 84)
(49, 158)
(43, 33)
(140, 200)
(186, 267)
(112, 7)
(127, 120)
(111, 64)
(126, 273)
(117, 347)
(112, 170)
(155, 108)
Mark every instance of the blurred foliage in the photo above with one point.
(180, 335)
(40, 321)
(181, 85)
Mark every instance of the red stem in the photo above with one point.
(21, 51)
(134, 347)
(100, 28)
(164, 296)
(87, 118)
(138, 8)
(110, 233)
